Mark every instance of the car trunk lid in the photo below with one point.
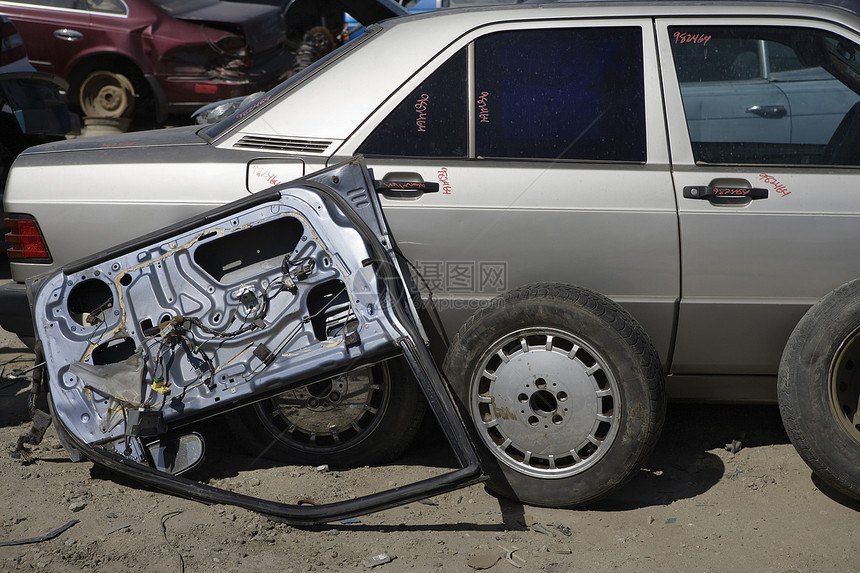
(261, 26)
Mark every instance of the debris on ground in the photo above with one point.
(46, 537)
(379, 559)
(541, 529)
(512, 558)
(734, 447)
(481, 561)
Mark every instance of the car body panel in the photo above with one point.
(751, 270)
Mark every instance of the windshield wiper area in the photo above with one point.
(278, 290)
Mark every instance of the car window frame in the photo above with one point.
(35, 6)
(654, 127)
(680, 143)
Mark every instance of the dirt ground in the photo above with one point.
(696, 507)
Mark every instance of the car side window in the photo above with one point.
(66, 4)
(431, 121)
(566, 93)
(106, 6)
(768, 95)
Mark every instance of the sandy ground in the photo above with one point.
(696, 507)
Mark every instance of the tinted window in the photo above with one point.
(561, 94)
(106, 6)
(768, 95)
(782, 58)
(717, 60)
(68, 4)
(431, 121)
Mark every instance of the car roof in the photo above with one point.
(850, 5)
(428, 34)
(656, 7)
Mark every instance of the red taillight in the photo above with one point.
(205, 89)
(11, 44)
(26, 239)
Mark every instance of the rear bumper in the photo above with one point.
(15, 316)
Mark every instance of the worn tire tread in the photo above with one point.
(632, 334)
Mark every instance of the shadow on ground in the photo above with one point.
(682, 466)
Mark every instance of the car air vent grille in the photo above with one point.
(294, 144)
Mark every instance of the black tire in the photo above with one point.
(819, 387)
(366, 417)
(514, 368)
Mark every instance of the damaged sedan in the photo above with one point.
(123, 58)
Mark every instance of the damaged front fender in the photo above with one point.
(286, 287)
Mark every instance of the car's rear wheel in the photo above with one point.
(367, 416)
(105, 94)
(565, 391)
(819, 388)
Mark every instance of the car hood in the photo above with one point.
(261, 26)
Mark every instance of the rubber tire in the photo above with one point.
(621, 342)
(398, 418)
(804, 390)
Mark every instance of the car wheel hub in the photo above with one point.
(545, 403)
(331, 412)
(844, 385)
(106, 95)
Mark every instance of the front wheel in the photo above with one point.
(819, 388)
(565, 390)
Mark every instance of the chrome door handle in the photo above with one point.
(768, 111)
(68, 35)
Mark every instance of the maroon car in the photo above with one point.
(159, 56)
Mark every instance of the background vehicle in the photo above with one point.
(161, 57)
(32, 104)
(571, 149)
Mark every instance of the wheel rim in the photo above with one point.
(844, 385)
(545, 403)
(330, 415)
(106, 94)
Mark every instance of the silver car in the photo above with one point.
(693, 162)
